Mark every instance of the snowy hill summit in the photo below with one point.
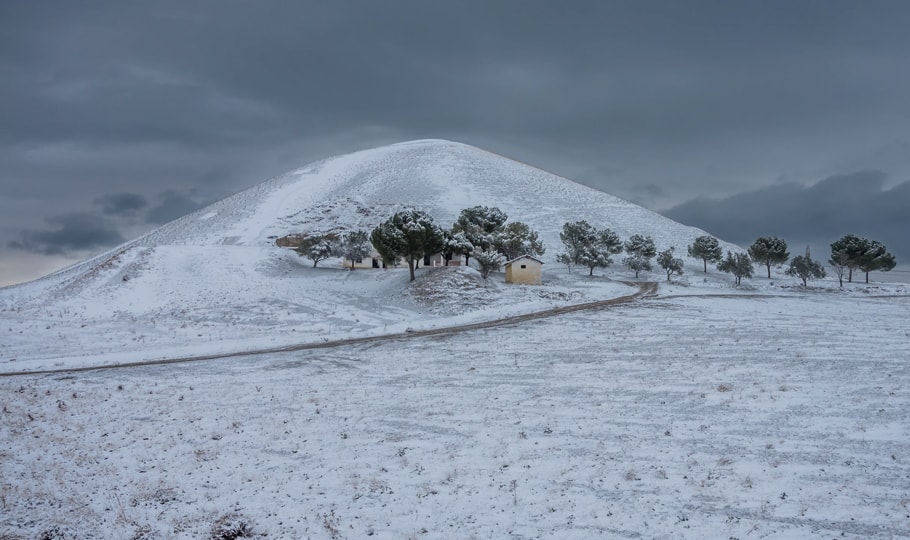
(359, 190)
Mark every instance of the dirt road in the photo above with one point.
(645, 289)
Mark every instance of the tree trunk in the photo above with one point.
(314, 263)
(850, 275)
(867, 277)
(768, 264)
(591, 273)
(706, 265)
(411, 268)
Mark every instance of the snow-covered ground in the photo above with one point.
(765, 415)
(768, 410)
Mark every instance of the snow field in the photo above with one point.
(773, 417)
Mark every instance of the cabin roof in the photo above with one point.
(525, 256)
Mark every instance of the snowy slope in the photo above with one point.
(202, 278)
(359, 190)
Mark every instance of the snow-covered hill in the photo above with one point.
(194, 280)
(359, 190)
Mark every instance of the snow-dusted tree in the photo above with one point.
(875, 257)
(848, 250)
(805, 268)
(840, 263)
(576, 237)
(706, 248)
(740, 265)
(409, 234)
(769, 251)
(597, 255)
(318, 248)
(641, 250)
(517, 239)
(488, 261)
(387, 240)
(355, 246)
(856, 252)
(459, 245)
(479, 225)
(669, 263)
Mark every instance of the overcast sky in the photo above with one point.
(744, 118)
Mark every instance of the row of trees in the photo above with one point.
(589, 247)
(847, 254)
(354, 245)
(480, 232)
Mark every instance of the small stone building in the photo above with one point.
(525, 270)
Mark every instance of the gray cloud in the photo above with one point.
(75, 232)
(122, 204)
(818, 214)
(654, 101)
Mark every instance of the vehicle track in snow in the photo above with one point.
(645, 290)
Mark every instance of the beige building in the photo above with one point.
(375, 261)
(525, 270)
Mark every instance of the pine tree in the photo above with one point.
(840, 263)
(848, 249)
(459, 245)
(488, 261)
(409, 234)
(876, 257)
(670, 264)
(517, 239)
(770, 251)
(355, 246)
(641, 250)
(740, 265)
(805, 268)
(706, 248)
(576, 237)
(480, 224)
(856, 252)
(597, 255)
(318, 248)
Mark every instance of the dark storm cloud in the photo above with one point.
(122, 204)
(213, 73)
(819, 214)
(172, 205)
(666, 99)
(76, 232)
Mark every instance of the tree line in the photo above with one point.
(849, 253)
(589, 247)
(482, 233)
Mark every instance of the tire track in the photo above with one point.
(645, 290)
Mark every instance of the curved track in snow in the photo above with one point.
(645, 289)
